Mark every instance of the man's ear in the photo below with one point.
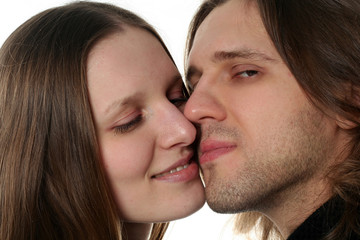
(354, 100)
(344, 123)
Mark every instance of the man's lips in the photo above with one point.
(212, 149)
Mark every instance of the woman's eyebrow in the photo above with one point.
(176, 79)
(118, 103)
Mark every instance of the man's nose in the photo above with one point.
(204, 104)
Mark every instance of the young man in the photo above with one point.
(276, 95)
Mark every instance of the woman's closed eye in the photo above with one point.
(128, 126)
(179, 97)
(178, 102)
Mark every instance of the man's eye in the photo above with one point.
(127, 127)
(247, 73)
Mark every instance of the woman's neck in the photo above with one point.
(136, 231)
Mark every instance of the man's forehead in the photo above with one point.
(231, 16)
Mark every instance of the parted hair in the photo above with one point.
(52, 182)
(319, 41)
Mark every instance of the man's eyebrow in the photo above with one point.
(221, 56)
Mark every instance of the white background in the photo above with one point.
(171, 19)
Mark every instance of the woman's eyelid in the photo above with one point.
(176, 94)
(127, 117)
(129, 126)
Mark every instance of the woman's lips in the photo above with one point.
(212, 149)
(183, 170)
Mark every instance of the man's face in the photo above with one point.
(261, 138)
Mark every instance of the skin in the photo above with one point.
(263, 147)
(137, 100)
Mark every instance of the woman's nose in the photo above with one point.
(175, 129)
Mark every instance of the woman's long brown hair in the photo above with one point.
(52, 185)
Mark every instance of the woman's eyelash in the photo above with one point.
(178, 101)
(124, 128)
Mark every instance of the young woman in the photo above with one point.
(93, 143)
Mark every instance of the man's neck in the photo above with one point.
(293, 207)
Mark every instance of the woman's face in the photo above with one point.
(136, 98)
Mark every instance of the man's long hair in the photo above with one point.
(319, 41)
